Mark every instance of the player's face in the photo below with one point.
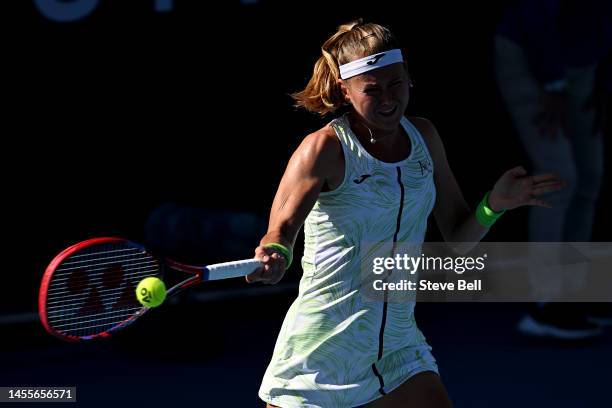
(380, 96)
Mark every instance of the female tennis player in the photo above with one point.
(370, 175)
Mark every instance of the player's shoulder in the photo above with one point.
(320, 152)
(323, 142)
(424, 126)
(428, 132)
(325, 137)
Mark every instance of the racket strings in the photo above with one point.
(97, 303)
(125, 300)
(102, 294)
(56, 306)
(108, 283)
(105, 266)
(95, 318)
(107, 279)
(102, 327)
(106, 254)
(97, 261)
(93, 291)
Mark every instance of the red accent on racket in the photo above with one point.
(88, 291)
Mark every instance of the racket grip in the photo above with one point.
(232, 269)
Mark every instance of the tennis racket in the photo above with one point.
(88, 291)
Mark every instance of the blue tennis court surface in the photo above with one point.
(200, 354)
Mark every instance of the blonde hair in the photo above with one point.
(353, 40)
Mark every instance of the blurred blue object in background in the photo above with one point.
(203, 235)
(65, 11)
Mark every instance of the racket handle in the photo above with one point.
(232, 269)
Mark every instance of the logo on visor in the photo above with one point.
(376, 59)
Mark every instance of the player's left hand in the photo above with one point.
(516, 188)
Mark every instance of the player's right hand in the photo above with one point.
(273, 268)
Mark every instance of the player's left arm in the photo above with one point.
(453, 215)
(455, 218)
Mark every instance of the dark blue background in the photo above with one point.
(108, 117)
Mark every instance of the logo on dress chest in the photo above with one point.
(361, 178)
(425, 166)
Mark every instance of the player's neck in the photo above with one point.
(369, 135)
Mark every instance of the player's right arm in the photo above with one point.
(316, 163)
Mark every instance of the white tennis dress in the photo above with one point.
(337, 348)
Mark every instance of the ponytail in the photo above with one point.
(323, 94)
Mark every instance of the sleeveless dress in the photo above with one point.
(335, 347)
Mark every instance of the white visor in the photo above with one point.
(370, 62)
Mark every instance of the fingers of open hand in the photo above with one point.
(542, 184)
(518, 171)
(546, 177)
(547, 187)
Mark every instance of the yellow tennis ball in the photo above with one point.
(151, 291)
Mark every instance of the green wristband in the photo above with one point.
(283, 250)
(485, 215)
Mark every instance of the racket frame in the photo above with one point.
(198, 275)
